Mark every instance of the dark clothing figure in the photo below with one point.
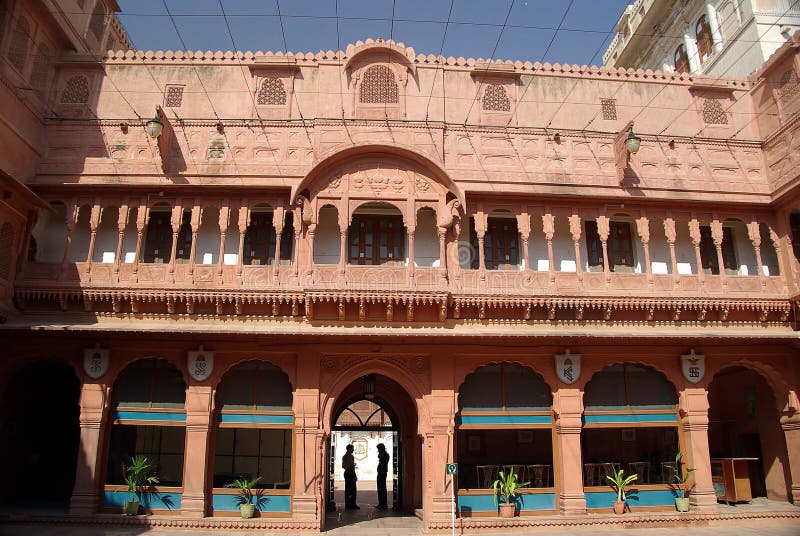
(349, 466)
(383, 469)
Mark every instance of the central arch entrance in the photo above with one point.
(375, 409)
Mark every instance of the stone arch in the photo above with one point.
(114, 374)
(219, 375)
(786, 398)
(466, 377)
(462, 375)
(334, 389)
(323, 175)
(588, 371)
(361, 52)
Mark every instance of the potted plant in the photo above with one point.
(138, 476)
(619, 482)
(245, 498)
(682, 486)
(508, 487)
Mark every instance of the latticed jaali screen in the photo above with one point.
(271, 92)
(496, 99)
(379, 86)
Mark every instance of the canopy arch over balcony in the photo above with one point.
(392, 174)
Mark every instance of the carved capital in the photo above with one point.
(754, 233)
(548, 225)
(122, 218)
(694, 231)
(524, 225)
(643, 229)
(603, 227)
(716, 232)
(575, 227)
(669, 230)
(94, 218)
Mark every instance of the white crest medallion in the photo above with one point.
(95, 361)
(568, 367)
(693, 366)
(200, 364)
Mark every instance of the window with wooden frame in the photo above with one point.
(505, 423)
(500, 244)
(183, 249)
(594, 247)
(620, 247)
(158, 241)
(794, 224)
(375, 239)
(703, 38)
(630, 423)
(708, 252)
(259, 239)
(148, 411)
(254, 435)
(681, 60)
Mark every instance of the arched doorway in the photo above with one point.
(39, 436)
(375, 409)
(744, 423)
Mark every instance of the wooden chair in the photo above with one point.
(539, 475)
(667, 470)
(486, 475)
(591, 474)
(642, 469)
(518, 469)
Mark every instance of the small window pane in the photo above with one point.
(606, 390)
(482, 390)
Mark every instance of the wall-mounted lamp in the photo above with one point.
(557, 137)
(220, 128)
(123, 127)
(369, 386)
(154, 127)
(633, 142)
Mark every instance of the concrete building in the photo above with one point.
(475, 247)
(722, 38)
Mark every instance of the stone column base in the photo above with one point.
(572, 505)
(795, 494)
(305, 507)
(84, 503)
(193, 506)
(704, 502)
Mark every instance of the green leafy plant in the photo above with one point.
(508, 486)
(619, 482)
(139, 475)
(245, 488)
(681, 479)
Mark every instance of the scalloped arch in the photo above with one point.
(365, 149)
(386, 48)
(785, 398)
(230, 366)
(113, 377)
(588, 372)
(509, 361)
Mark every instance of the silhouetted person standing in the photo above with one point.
(383, 469)
(349, 466)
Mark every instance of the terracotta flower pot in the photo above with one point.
(248, 510)
(619, 507)
(508, 509)
(682, 504)
(131, 508)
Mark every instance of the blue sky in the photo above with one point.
(532, 32)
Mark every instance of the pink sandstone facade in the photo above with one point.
(430, 223)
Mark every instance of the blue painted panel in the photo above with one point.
(265, 503)
(248, 418)
(527, 503)
(629, 418)
(653, 497)
(505, 419)
(156, 501)
(149, 416)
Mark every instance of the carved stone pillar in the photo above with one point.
(694, 234)
(342, 251)
(94, 223)
(575, 231)
(277, 223)
(72, 218)
(86, 493)
(643, 229)
(754, 233)
(791, 430)
(669, 232)
(141, 222)
(524, 228)
(195, 223)
(198, 427)
(717, 235)
(224, 218)
(776, 243)
(568, 408)
(549, 227)
(603, 230)
(694, 422)
(177, 218)
(244, 218)
(311, 233)
(441, 233)
(297, 227)
(480, 232)
(411, 230)
(122, 222)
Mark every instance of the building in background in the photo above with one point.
(550, 269)
(723, 38)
